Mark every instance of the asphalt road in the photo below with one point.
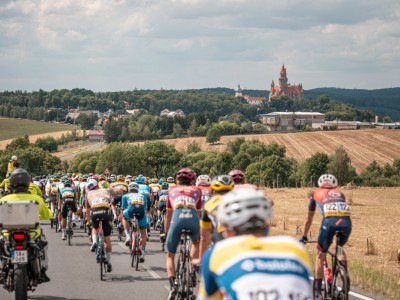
(75, 274)
(91, 148)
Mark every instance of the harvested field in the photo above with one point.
(363, 146)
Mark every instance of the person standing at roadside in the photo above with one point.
(12, 164)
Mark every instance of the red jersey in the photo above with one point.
(182, 196)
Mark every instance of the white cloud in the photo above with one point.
(323, 43)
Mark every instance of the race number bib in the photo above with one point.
(336, 209)
(100, 202)
(136, 200)
(163, 198)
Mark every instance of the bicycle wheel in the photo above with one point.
(137, 250)
(188, 279)
(179, 277)
(340, 288)
(132, 249)
(100, 249)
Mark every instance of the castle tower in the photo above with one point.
(283, 79)
(238, 92)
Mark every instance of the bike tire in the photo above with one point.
(69, 236)
(340, 288)
(101, 258)
(20, 283)
(51, 223)
(137, 252)
(188, 279)
(179, 292)
(132, 249)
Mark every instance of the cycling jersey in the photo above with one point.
(146, 192)
(248, 267)
(185, 201)
(119, 187)
(335, 213)
(135, 204)
(154, 187)
(68, 195)
(205, 193)
(99, 198)
(209, 218)
(162, 198)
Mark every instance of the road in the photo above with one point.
(75, 274)
(91, 148)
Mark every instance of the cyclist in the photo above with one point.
(183, 212)
(161, 199)
(98, 203)
(248, 264)
(67, 202)
(19, 183)
(203, 183)
(133, 203)
(335, 217)
(210, 230)
(120, 188)
(146, 192)
(171, 181)
(239, 179)
(103, 182)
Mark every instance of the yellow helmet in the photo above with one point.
(222, 183)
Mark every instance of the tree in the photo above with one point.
(193, 147)
(48, 143)
(340, 166)
(86, 122)
(18, 143)
(213, 135)
(314, 167)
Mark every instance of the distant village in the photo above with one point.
(273, 122)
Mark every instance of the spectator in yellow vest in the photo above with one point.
(12, 164)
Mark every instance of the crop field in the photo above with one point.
(13, 128)
(363, 146)
(374, 241)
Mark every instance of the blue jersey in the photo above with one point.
(130, 199)
(248, 267)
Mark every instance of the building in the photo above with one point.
(251, 100)
(289, 121)
(294, 92)
(176, 113)
(95, 135)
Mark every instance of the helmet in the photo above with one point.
(14, 157)
(237, 176)
(185, 173)
(139, 179)
(161, 181)
(133, 187)
(67, 183)
(244, 209)
(56, 178)
(222, 183)
(164, 186)
(128, 180)
(36, 178)
(102, 177)
(85, 177)
(204, 180)
(112, 176)
(327, 181)
(154, 180)
(64, 179)
(128, 177)
(170, 180)
(120, 178)
(20, 178)
(92, 183)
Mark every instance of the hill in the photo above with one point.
(363, 146)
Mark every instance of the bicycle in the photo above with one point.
(161, 228)
(136, 250)
(69, 230)
(101, 256)
(185, 278)
(336, 281)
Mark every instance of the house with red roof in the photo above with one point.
(251, 100)
(95, 135)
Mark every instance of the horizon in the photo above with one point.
(121, 45)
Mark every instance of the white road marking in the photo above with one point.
(123, 245)
(166, 288)
(359, 296)
(151, 272)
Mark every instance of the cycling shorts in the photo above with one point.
(328, 228)
(182, 218)
(68, 205)
(136, 210)
(103, 214)
(162, 206)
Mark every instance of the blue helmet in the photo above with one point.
(139, 179)
(161, 181)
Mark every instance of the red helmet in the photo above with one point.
(186, 173)
(237, 175)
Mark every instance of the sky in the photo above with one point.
(120, 45)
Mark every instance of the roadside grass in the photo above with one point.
(375, 222)
(13, 128)
(366, 278)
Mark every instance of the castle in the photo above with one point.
(294, 92)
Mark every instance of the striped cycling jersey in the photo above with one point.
(248, 267)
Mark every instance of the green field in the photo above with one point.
(13, 128)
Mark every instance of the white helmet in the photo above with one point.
(244, 208)
(327, 181)
(13, 157)
(204, 180)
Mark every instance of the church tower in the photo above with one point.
(283, 79)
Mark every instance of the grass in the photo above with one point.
(13, 128)
(374, 217)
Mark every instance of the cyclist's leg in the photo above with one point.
(64, 214)
(143, 226)
(107, 238)
(173, 239)
(345, 227)
(94, 216)
(125, 223)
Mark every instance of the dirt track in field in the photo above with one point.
(363, 146)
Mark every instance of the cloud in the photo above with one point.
(323, 43)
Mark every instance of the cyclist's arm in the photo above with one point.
(310, 216)
(205, 232)
(208, 289)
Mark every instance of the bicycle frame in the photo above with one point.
(136, 250)
(101, 256)
(184, 268)
(69, 230)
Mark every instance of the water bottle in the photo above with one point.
(328, 274)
